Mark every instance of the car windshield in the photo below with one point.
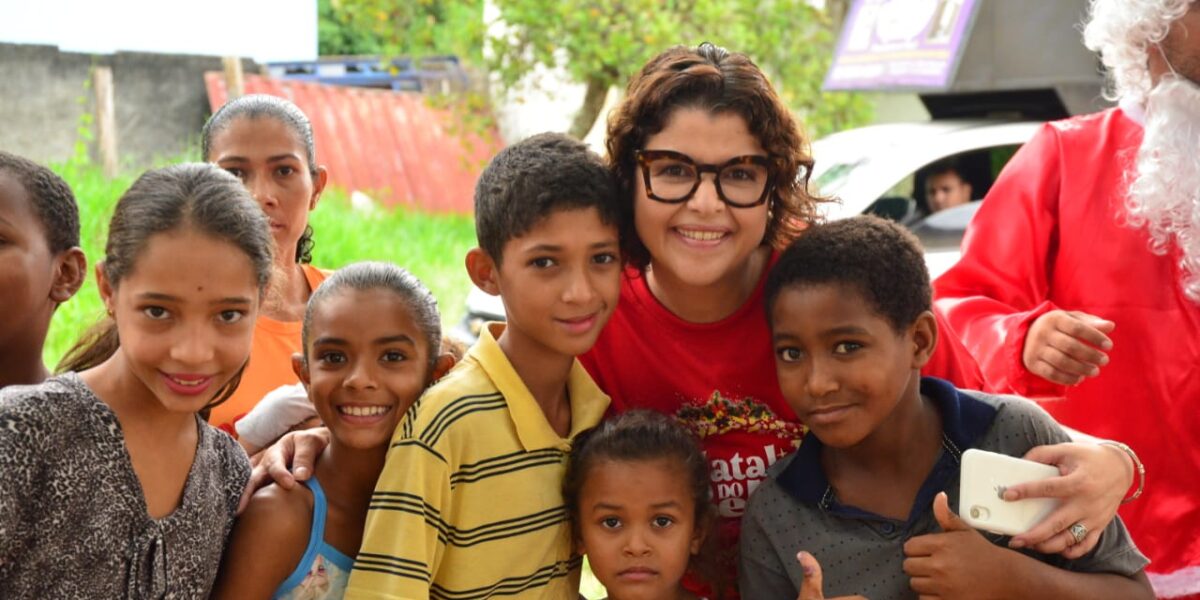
(832, 179)
(943, 230)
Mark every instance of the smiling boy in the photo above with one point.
(870, 490)
(469, 503)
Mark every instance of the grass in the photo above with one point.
(96, 195)
(431, 246)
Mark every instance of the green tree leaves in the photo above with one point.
(602, 43)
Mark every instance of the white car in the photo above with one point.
(872, 169)
(880, 169)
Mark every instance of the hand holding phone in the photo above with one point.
(985, 476)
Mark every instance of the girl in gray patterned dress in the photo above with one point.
(113, 486)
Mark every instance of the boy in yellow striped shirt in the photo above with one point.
(469, 504)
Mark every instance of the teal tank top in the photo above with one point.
(323, 571)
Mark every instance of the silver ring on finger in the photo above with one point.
(1078, 531)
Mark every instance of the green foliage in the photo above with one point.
(431, 246)
(401, 27)
(337, 35)
(602, 43)
(413, 28)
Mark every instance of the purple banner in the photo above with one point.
(901, 44)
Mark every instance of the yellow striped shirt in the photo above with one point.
(469, 504)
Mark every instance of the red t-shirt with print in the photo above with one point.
(717, 378)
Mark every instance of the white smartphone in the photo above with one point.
(985, 476)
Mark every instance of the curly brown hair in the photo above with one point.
(717, 80)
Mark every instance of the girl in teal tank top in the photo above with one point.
(372, 335)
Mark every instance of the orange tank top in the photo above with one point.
(270, 362)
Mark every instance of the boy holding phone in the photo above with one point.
(870, 490)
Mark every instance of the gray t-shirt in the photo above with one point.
(863, 553)
(73, 519)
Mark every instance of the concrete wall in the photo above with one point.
(160, 101)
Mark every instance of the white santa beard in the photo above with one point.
(1164, 196)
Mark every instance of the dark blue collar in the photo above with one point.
(964, 419)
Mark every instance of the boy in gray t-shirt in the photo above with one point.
(870, 491)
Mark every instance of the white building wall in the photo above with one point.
(265, 30)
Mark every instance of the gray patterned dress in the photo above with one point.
(73, 519)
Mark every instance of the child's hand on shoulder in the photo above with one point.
(812, 588)
(957, 563)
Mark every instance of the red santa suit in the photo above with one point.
(1052, 235)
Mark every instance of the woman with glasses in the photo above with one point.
(713, 171)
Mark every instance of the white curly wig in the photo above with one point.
(1122, 32)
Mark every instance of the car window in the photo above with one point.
(944, 230)
(904, 187)
(1000, 157)
(978, 167)
(833, 178)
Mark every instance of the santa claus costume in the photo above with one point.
(1055, 233)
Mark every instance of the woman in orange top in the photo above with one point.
(267, 142)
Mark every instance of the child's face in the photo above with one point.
(185, 316)
(637, 525)
(560, 281)
(368, 361)
(26, 268)
(842, 366)
(702, 241)
(270, 159)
